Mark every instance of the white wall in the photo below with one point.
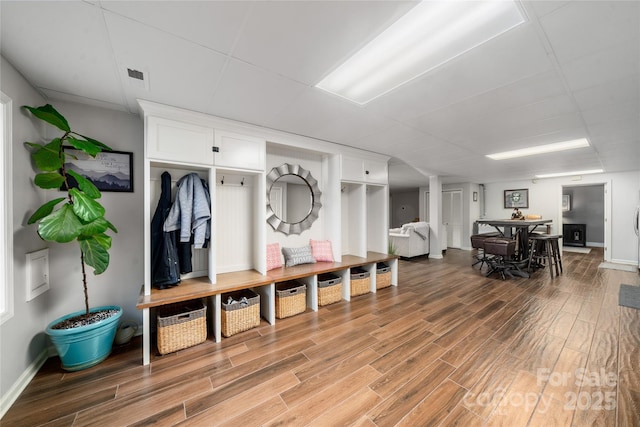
(22, 340)
(545, 199)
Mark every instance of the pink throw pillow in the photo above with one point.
(274, 258)
(321, 250)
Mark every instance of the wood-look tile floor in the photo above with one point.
(446, 347)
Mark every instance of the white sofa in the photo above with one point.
(410, 240)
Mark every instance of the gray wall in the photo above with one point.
(405, 207)
(21, 337)
(587, 207)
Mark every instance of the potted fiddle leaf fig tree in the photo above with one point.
(82, 338)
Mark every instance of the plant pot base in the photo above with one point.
(86, 346)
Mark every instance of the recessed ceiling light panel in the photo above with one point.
(541, 149)
(429, 35)
(555, 175)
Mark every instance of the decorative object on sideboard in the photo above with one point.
(280, 181)
(82, 338)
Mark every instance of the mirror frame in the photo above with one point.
(293, 228)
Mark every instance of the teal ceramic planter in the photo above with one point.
(85, 346)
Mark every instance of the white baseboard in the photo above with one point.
(595, 245)
(624, 261)
(23, 381)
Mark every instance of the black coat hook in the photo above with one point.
(222, 180)
(242, 182)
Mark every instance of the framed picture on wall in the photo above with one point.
(566, 202)
(516, 198)
(109, 170)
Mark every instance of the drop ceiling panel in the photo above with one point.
(213, 24)
(604, 66)
(304, 40)
(180, 73)
(396, 139)
(542, 8)
(576, 31)
(629, 110)
(511, 57)
(611, 92)
(61, 46)
(251, 94)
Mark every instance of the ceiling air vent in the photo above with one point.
(135, 74)
(137, 77)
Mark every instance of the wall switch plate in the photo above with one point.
(37, 273)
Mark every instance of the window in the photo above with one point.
(6, 213)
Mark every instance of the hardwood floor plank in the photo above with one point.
(397, 405)
(203, 402)
(242, 405)
(467, 346)
(401, 353)
(257, 415)
(581, 336)
(168, 417)
(349, 411)
(326, 399)
(140, 406)
(22, 416)
(518, 403)
(406, 369)
(551, 412)
(435, 407)
(327, 377)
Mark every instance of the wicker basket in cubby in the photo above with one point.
(240, 312)
(360, 281)
(291, 298)
(329, 289)
(181, 325)
(383, 275)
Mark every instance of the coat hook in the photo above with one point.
(242, 182)
(222, 180)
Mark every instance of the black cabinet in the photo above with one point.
(574, 234)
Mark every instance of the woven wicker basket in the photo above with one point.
(240, 316)
(291, 299)
(383, 276)
(181, 325)
(329, 289)
(360, 282)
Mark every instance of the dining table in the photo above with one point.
(522, 229)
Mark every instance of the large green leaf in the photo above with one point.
(88, 147)
(95, 255)
(97, 226)
(112, 227)
(48, 180)
(44, 210)
(95, 142)
(47, 157)
(85, 185)
(61, 226)
(50, 115)
(85, 207)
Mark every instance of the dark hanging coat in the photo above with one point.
(165, 269)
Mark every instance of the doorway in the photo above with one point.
(584, 217)
(452, 217)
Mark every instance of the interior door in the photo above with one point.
(452, 217)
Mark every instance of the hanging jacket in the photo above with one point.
(191, 211)
(165, 269)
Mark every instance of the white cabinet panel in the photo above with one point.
(179, 141)
(375, 172)
(359, 170)
(239, 151)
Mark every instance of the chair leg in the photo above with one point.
(549, 250)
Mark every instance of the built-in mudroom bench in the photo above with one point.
(265, 188)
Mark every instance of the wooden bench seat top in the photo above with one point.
(201, 287)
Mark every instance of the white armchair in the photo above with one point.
(410, 240)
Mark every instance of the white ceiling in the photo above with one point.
(572, 70)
